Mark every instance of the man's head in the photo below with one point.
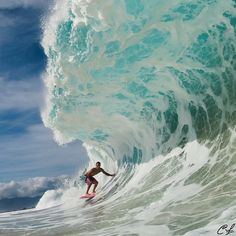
(98, 164)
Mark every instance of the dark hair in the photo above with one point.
(98, 162)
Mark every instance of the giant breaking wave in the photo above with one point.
(137, 80)
(150, 88)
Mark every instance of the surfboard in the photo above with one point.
(91, 195)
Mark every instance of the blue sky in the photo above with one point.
(27, 148)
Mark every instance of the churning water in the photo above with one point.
(150, 88)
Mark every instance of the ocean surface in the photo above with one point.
(149, 87)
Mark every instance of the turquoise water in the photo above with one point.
(167, 66)
(150, 88)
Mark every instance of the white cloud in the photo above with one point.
(31, 187)
(20, 95)
(8, 4)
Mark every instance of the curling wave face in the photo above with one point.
(121, 73)
(150, 88)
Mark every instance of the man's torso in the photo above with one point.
(93, 171)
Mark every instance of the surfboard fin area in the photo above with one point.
(91, 195)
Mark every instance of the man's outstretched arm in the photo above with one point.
(104, 172)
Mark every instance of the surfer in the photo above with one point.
(89, 179)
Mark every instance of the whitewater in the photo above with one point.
(149, 87)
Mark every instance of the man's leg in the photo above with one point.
(95, 186)
(89, 185)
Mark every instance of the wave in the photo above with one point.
(117, 77)
(149, 87)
